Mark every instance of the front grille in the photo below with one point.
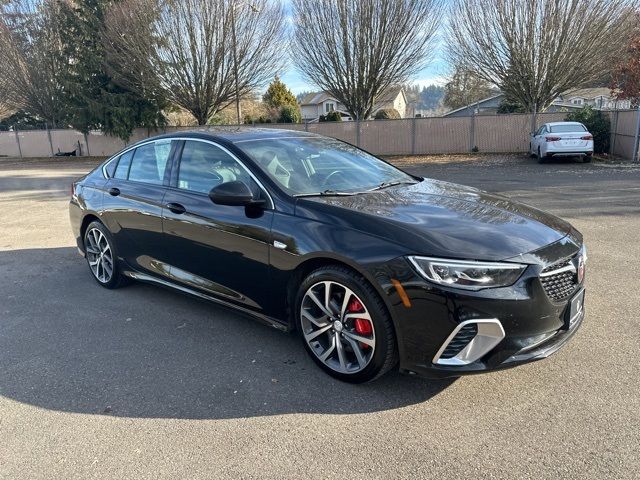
(559, 286)
(461, 340)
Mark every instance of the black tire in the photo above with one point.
(587, 159)
(385, 355)
(116, 279)
(541, 159)
(531, 154)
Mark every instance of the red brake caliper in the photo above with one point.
(362, 326)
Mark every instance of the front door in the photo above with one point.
(221, 250)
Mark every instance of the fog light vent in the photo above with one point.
(470, 341)
(461, 340)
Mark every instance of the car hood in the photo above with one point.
(443, 219)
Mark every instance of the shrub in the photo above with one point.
(290, 114)
(386, 114)
(508, 106)
(331, 117)
(597, 123)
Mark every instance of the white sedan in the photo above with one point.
(561, 139)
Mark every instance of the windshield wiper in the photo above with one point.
(326, 193)
(391, 184)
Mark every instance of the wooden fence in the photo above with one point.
(415, 136)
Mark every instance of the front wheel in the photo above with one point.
(344, 325)
(101, 256)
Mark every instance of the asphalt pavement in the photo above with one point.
(143, 382)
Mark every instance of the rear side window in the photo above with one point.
(149, 162)
(567, 128)
(110, 168)
(122, 170)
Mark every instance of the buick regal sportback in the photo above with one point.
(372, 266)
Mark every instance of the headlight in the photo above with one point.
(467, 275)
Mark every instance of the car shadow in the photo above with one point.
(67, 344)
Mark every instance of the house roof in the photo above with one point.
(314, 98)
(479, 102)
(390, 94)
(588, 93)
(387, 96)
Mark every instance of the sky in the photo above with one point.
(434, 73)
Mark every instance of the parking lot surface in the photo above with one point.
(143, 382)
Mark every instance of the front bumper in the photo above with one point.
(499, 358)
(530, 324)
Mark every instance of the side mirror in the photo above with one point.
(236, 194)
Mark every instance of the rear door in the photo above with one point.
(219, 249)
(133, 204)
(537, 138)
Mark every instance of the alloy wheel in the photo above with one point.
(99, 255)
(337, 327)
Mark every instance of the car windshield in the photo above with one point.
(321, 166)
(568, 128)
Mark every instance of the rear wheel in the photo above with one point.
(101, 256)
(344, 325)
(587, 158)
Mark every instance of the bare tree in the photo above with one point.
(354, 49)
(534, 50)
(464, 88)
(182, 49)
(31, 55)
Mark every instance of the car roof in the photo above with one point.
(234, 134)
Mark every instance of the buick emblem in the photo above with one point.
(580, 268)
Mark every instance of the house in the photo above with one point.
(598, 98)
(320, 103)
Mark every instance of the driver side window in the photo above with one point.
(204, 166)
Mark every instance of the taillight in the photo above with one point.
(587, 137)
(552, 139)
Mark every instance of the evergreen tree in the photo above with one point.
(95, 101)
(290, 114)
(431, 96)
(464, 88)
(278, 95)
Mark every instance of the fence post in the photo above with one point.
(50, 142)
(614, 130)
(413, 135)
(86, 142)
(472, 131)
(636, 139)
(306, 125)
(18, 142)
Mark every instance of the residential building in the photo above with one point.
(598, 98)
(320, 103)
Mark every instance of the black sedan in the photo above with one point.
(372, 266)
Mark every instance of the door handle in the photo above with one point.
(114, 191)
(176, 208)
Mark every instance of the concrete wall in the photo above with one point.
(490, 133)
